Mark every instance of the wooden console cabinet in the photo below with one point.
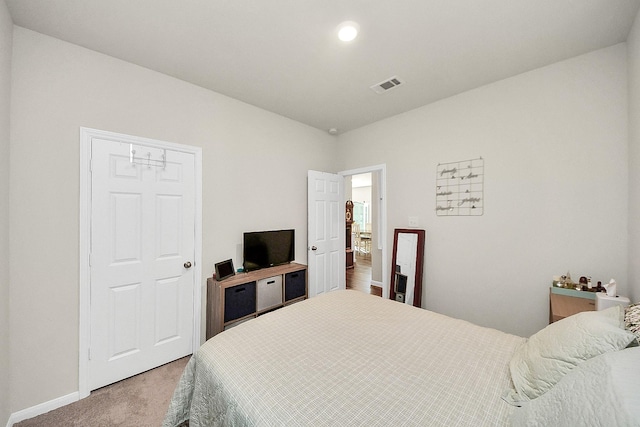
(247, 295)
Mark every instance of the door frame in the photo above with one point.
(86, 135)
(382, 221)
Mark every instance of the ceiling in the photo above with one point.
(284, 56)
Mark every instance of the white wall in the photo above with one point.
(361, 194)
(255, 166)
(554, 142)
(633, 58)
(6, 36)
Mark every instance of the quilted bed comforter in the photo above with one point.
(347, 358)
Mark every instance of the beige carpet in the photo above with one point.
(137, 401)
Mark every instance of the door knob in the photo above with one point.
(187, 264)
(314, 248)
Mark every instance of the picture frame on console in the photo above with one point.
(224, 270)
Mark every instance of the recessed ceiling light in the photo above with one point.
(348, 30)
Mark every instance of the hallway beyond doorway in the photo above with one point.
(359, 277)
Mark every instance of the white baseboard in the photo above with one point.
(42, 408)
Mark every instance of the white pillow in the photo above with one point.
(539, 363)
(603, 391)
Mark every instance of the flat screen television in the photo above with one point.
(262, 249)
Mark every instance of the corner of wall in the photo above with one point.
(6, 48)
(633, 70)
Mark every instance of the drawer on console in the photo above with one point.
(295, 285)
(269, 292)
(239, 301)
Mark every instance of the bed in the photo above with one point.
(351, 359)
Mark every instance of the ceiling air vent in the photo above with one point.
(387, 85)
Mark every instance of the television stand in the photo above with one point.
(248, 295)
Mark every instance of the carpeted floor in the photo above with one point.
(138, 401)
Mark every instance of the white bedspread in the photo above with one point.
(348, 359)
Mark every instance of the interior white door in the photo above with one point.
(326, 232)
(142, 251)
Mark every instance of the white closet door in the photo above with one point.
(142, 250)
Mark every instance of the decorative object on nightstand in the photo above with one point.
(604, 301)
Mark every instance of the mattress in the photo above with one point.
(348, 358)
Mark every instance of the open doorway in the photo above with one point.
(359, 274)
(365, 187)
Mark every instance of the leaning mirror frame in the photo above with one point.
(406, 266)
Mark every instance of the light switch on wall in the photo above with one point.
(413, 221)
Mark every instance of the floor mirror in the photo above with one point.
(406, 266)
